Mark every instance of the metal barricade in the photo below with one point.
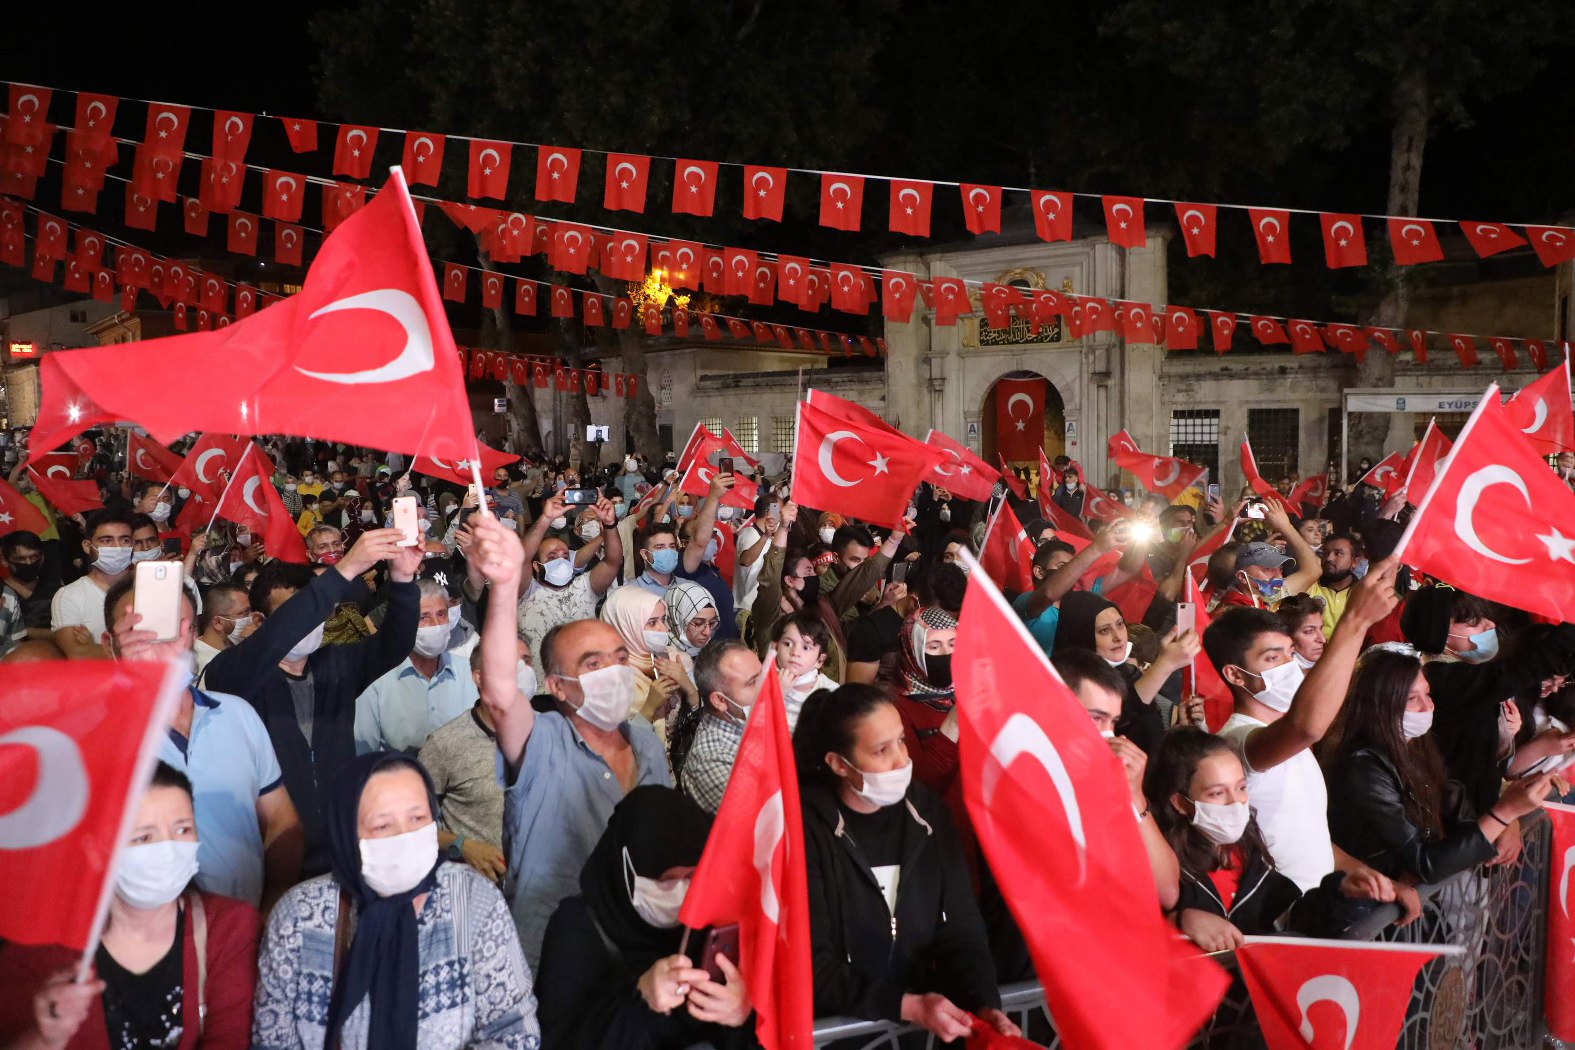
(1489, 998)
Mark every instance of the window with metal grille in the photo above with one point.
(1448, 422)
(747, 431)
(782, 434)
(713, 424)
(1276, 438)
(1195, 437)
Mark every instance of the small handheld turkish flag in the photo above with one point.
(965, 475)
(65, 495)
(459, 470)
(1313, 491)
(627, 174)
(251, 500)
(17, 513)
(1249, 469)
(697, 482)
(82, 736)
(1314, 994)
(1421, 464)
(1493, 521)
(1163, 474)
(753, 873)
(423, 159)
(1050, 804)
(856, 469)
(151, 460)
(1007, 556)
(694, 187)
(1389, 474)
(1542, 412)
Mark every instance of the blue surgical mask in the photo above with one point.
(686, 510)
(1486, 643)
(664, 561)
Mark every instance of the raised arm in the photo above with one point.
(606, 570)
(705, 522)
(1059, 583)
(1318, 700)
(501, 558)
(1308, 567)
(857, 583)
(552, 507)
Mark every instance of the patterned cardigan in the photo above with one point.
(473, 985)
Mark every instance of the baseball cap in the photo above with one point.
(1264, 555)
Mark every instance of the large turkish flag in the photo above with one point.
(77, 743)
(1051, 809)
(1020, 418)
(967, 476)
(362, 354)
(752, 873)
(1497, 522)
(854, 468)
(1542, 411)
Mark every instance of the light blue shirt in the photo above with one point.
(401, 709)
(231, 763)
(655, 586)
(555, 812)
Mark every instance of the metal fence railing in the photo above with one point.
(1488, 998)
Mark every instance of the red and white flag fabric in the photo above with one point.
(1388, 474)
(1050, 804)
(1558, 1003)
(251, 500)
(1099, 505)
(1197, 228)
(752, 873)
(696, 481)
(1166, 475)
(627, 174)
(65, 495)
(207, 464)
(1008, 553)
(1312, 994)
(367, 333)
(1496, 521)
(423, 157)
(83, 736)
(1272, 228)
(736, 450)
(1422, 462)
(966, 475)
(459, 471)
(1542, 411)
(1249, 468)
(1201, 677)
(1344, 243)
(62, 465)
(17, 512)
(1020, 418)
(1018, 486)
(1414, 241)
(1124, 221)
(703, 443)
(1313, 491)
(854, 468)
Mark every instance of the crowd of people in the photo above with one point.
(453, 793)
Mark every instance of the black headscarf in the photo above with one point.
(662, 828)
(382, 961)
(1079, 610)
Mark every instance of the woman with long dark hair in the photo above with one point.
(895, 929)
(1197, 788)
(1392, 804)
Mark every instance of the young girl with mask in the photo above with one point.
(1392, 802)
(613, 973)
(802, 642)
(174, 968)
(1229, 886)
(884, 867)
(395, 949)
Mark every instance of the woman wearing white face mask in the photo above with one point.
(1391, 803)
(883, 864)
(614, 973)
(664, 677)
(1229, 886)
(432, 961)
(174, 967)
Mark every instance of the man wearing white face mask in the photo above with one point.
(172, 960)
(425, 690)
(562, 769)
(305, 691)
(226, 618)
(76, 615)
(1281, 712)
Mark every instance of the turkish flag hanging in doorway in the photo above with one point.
(1020, 418)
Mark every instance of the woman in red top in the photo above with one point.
(926, 701)
(174, 968)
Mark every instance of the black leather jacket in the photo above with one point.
(1367, 819)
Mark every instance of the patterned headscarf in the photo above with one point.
(684, 600)
(915, 631)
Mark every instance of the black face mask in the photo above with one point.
(27, 573)
(939, 670)
(811, 590)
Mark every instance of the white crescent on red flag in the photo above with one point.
(1558, 1003)
(696, 481)
(1050, 803)
(62, 465)
(459, 470)
(1388, 474)
(367, 333)
(1020, 418)
(1421, 463)
(206, 464)
(1008, 554)
(1542, 411)
(251, 500)
(963, 473)
(78, 740)
(1166, 475)
(856, 469)
(1496, 521)
(149, 459)
(65, 495)
(753, 873)
(1332, 995)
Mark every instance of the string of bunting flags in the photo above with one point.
(1175, 327)
(1413, 240)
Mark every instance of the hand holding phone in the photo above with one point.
(1186, 617)
(156, 598)
(405, 520)
(722, 940)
